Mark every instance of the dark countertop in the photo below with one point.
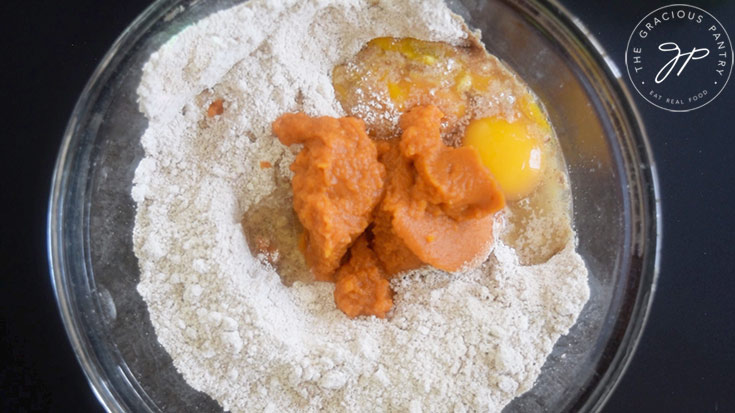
(686, 358)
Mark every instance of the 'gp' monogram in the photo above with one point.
(695, 54)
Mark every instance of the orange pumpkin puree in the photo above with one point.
(428, 203)
(362, 288)
(440, 200)
(337, 183)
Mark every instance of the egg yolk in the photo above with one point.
(533, 113)
(509, 151)
(414, 49)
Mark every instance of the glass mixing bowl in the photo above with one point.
(616, 211)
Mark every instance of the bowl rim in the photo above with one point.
(97, 380)
(112, 401)
(649, 265)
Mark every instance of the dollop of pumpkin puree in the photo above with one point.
(337, 183)
(373, 209)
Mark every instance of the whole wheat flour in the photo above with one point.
(455, 342)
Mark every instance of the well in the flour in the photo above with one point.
(235, 330)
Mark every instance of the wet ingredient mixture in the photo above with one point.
(428, 203)
(485, 107)
(216, 234)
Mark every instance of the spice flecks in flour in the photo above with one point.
(233, 329)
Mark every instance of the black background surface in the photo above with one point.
(684, 363)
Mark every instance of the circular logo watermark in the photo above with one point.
(679, 57)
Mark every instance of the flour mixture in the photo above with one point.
(469, 341)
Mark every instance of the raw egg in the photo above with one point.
(510, 152)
